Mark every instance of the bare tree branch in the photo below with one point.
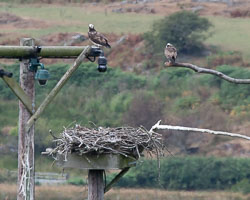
(182, 128)
(209, 71)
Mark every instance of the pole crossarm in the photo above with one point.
(58, 87)
(18, 91)
(40, 51)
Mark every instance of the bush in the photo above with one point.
(76, 181)
(242, 186)
(185, 30)
(189, 173)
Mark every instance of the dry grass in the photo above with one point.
(62, 192)
(146, 194)
(65, 192)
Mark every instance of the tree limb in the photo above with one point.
(209, 71)
(182, 128)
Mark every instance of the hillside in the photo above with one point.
(134, 91)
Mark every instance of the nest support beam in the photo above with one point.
(96, 187)
(116, 179)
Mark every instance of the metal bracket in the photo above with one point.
(4, 73)
(94, 52)
(33, 64)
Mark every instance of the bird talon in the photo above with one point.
(168, 64)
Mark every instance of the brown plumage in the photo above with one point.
(170, 53)
(97, 38)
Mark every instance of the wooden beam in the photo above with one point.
(19, 92)
(117, 178)
(40, 51)
(58, 87)
(95, 161)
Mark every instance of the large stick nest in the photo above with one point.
(127, 141)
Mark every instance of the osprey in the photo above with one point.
(170, 53)
(97, 38)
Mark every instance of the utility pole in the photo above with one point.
(27, 52)
(25, 183)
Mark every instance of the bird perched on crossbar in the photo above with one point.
(170, 53)
(97, 38)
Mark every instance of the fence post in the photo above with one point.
(95, 185)
(26, 139)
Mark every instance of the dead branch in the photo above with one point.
(209, 71)
(182, 128)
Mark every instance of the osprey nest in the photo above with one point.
(127, 141)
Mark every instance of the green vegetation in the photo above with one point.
(115, 97)
(76, 181)
(190, 173)
(186, 30)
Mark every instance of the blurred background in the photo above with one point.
(138, 89)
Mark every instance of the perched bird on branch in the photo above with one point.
(170, 53)
(97, 38)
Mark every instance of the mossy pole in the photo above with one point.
(26, 169)
(40, 51)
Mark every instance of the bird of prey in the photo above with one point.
(170, 53)
(97, 38)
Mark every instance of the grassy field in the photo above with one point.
(231, 34)
(76, 19)
(75, 193)
(66, 192)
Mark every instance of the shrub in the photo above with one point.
(183, 29)
(76, 181)
(190, 173)
(242, 186)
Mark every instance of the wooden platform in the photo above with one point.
(99, 161)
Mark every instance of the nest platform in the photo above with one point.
(104, 148)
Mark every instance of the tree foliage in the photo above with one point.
(185, 30)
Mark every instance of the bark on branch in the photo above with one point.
(209, 71)
(182, 128)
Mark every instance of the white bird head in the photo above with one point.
(91, 26)
(169, 45)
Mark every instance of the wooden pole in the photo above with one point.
(95, 185)
(25, 181)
